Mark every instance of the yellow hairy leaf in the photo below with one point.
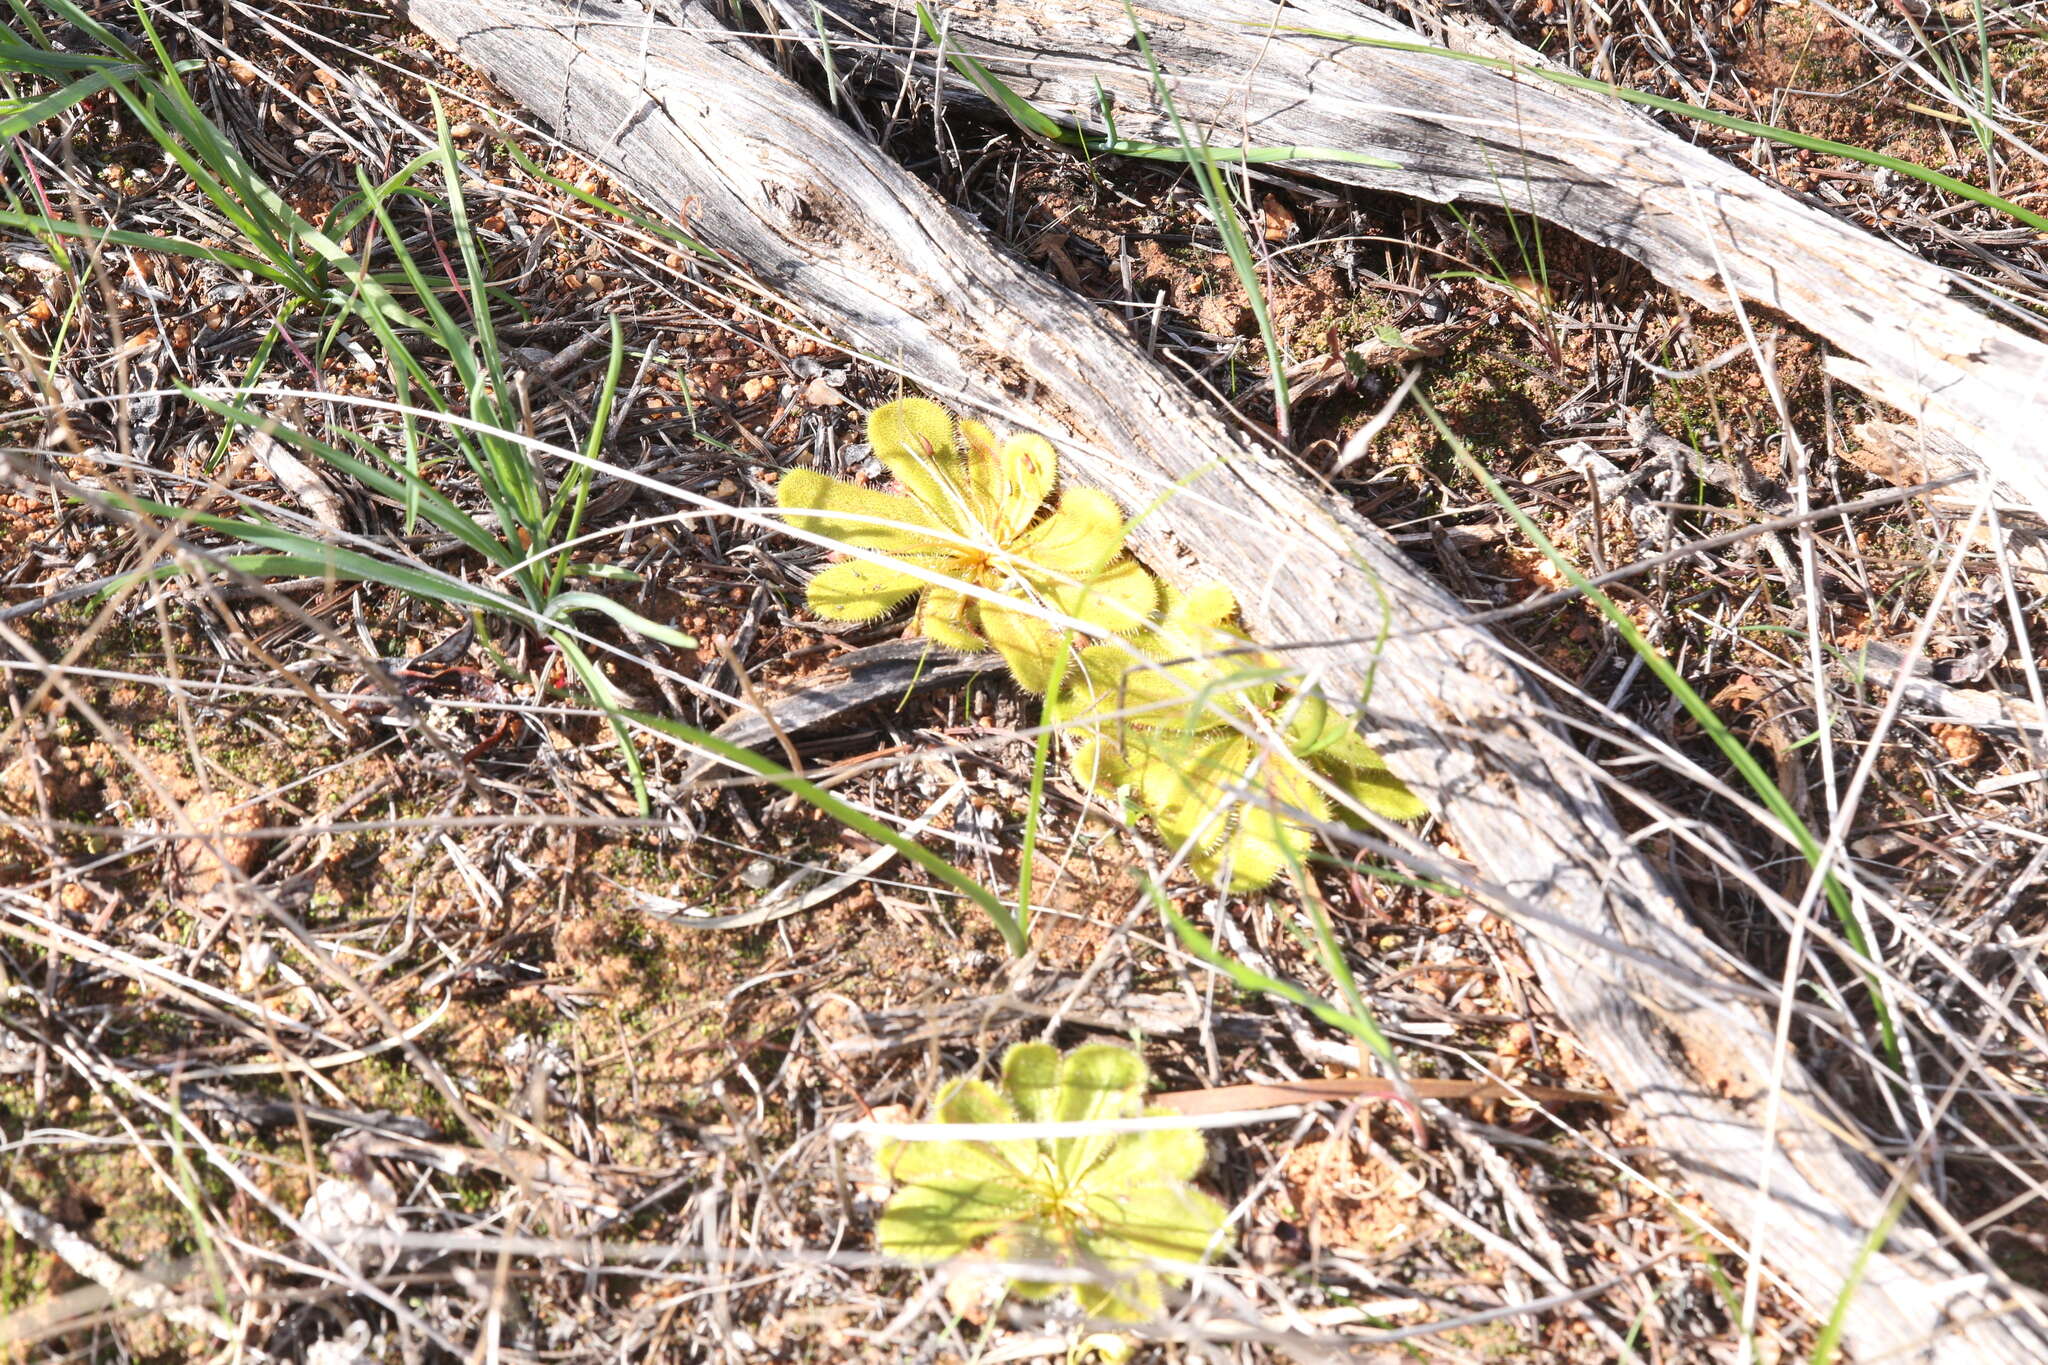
(854, 515)
(858, 590)
(913, 438)
(1186, 718)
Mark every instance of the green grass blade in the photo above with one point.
(1022, 112)
(1041, 754)
(491, 398)
(1734, 750)
(35, 224)
(77, 17)
(1250, 979)
(333, 560)
(576, 484)
(838, 809)
(606, 697)
(36, 61)
(1337, 963)
(17, 116)
(1827, 1343)
(348, 215)
(561, 604)
(399, 486)
(1223, 208)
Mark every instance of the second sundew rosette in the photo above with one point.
(1200, 728)
(973, 511)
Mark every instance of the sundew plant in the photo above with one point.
(972, 511)
(1162, 700)
(1118, 1206)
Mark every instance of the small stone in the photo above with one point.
(1963, 745)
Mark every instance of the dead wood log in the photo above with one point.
(701, 126)
(1586, 162)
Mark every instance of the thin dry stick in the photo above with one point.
(761, 709)
(124, 1286)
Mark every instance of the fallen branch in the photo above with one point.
(1253, 74)
(892, 672)
(701, 126)
(116, 1282)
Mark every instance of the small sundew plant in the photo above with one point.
(1197, 724)
(1113, 1205)
(1170, 702)
(973, 511)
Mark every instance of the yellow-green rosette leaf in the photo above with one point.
(1209, 768)
(1293, 789)
(1096, 1081)
(1083, 534)
(943, 1218)
(1007, 483)
(1156, 772)
(855, 516)
(1159, 1154)
(1158, 1221)
(913, 438)
(1120, 597)
(1099, 1081)
(1126, 1294)
(1105, 1348)
(1196, 623)
(1354, 765)
(1090, 691)
(1261, 845)
(1209, 606)
(859, 590)
(1144, 692)
(1028, 467)
(972, 1101)
(1031, 1079)
(1316, 724)
(1105, 1205)
(1029, 645)
(938, 1162)
(1095, 765)
(977, 450)
(944, 616)
(1377, 789)
(1032, 1243)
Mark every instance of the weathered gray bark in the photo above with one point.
(705, 130)
(1243, 78)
